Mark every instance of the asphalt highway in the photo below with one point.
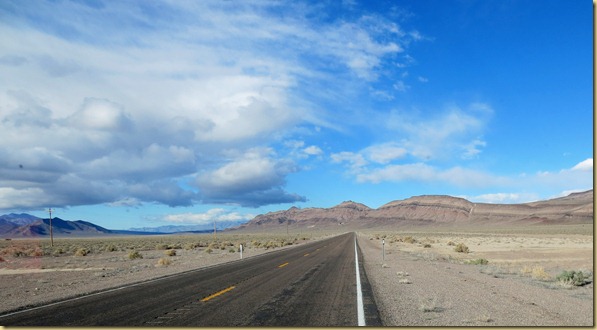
(310, 285)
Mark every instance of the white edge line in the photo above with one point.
(360, 307)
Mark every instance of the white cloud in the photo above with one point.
(253, 179)
(313, 151)
(216, 214)
(356, 161)
(472, 149)
(585, 165)
(401, 86)
(121, 105)
(441, 134)
(385, 153)
(504, 198)
(456, 176)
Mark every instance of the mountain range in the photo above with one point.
(25, 225)
(427, 210)
(432, 210)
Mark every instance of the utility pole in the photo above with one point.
(51, 234)
(215, 238)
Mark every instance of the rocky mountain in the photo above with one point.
(41, 227)
(431, 210)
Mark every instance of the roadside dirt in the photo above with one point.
(32, 281)
(416, 287)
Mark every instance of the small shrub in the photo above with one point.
(450, 243)
(409, 239)
(164, 262)
(161, 247)
(135, 255)
(189, 246)
(111, 248)
(573, 278)
(461, 248)
(404, 281)
(2, 259)
(232, 250)
(170, 253)
(540, 274)
(81, 252)
(479, 261)
(209, 250)
(427, 245)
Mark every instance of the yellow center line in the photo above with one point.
(306, 254)
(218, 293)
(282, 265)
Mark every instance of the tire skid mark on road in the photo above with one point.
(271, 310)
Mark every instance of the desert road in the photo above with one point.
(314, 284)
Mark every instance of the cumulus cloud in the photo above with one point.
(123, 107)
(253, 179)
(313, 151)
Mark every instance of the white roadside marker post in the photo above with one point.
(241, 251)
(383, 249)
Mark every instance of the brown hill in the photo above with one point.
(431, 210)
(60, 227)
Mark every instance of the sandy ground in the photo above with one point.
(414, 285)
(432, 286)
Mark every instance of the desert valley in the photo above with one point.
(431, 260)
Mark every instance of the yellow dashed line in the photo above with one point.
(217, 294)
(306, 254)
(283, 265)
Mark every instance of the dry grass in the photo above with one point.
(536, 272)
(164, 262)
(18, 248)
(135, 255)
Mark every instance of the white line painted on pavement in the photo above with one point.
(360, 307)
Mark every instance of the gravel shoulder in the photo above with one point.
(414, 290)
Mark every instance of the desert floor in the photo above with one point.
(420, 281)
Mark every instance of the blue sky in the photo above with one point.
(146, 113)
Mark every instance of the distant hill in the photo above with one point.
(26, 225)
(427, 210)
(41, 227)
(430, 210)
(220, 225)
